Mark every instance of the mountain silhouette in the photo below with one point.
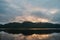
(28, 24)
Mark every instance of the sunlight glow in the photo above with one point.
(53, 11)
(30, 18)
(38, 36)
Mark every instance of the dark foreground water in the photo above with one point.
(20, 36)
(29, 33)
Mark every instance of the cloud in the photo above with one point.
(30, 18)
(44, 9)
(56, 17)
(46, 3)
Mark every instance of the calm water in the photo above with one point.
(29, 28)
(8, 36)
(5, 35)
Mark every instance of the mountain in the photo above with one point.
(27, 24)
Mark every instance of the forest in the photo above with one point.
(28, 24)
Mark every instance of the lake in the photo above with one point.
(20, 36)
(30, 33)
(30, 30)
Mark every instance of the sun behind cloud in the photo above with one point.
(30, 18)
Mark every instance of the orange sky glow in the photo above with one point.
(30, 18)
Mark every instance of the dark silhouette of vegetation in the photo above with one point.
(15, 26)
(27, 24)
(1, 25)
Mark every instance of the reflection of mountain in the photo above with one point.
(30, 25)
(7, 36)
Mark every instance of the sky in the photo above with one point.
(30, 10)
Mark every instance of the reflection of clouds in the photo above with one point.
(37, 36)
(7, 36)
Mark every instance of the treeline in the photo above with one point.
(27, 24)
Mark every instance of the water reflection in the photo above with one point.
(30, 28)
(7, 36)
(38, 36)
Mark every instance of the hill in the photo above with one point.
(27, 24)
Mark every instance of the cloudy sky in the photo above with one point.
(30, 10)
